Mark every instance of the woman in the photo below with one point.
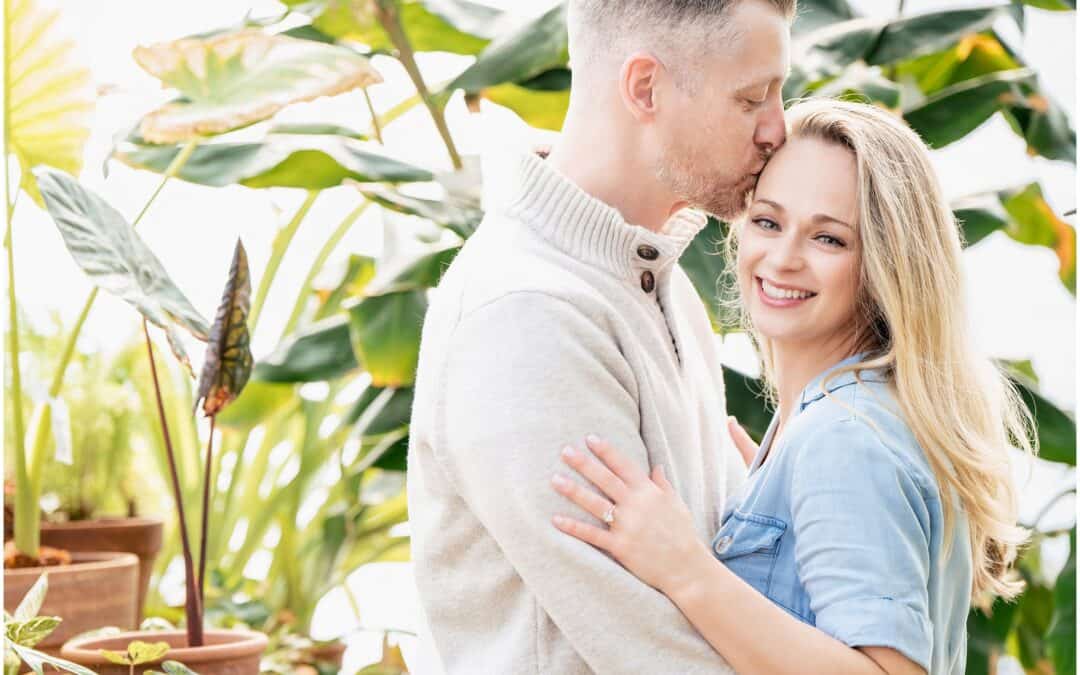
(841, 553)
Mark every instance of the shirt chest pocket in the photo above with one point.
(748, 544)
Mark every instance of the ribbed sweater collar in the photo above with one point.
(588, 229)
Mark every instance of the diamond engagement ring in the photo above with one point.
(609, 515)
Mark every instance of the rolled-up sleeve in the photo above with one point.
(862, 539)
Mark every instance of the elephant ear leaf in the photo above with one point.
(236, 79)
(228, 362)
(106, 247)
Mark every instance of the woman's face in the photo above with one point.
(798, 249)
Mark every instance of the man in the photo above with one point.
(566, 314)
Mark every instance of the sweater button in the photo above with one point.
(648, 282)
(647, 252)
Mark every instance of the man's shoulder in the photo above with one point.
(505, 265)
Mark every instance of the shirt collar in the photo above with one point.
(590, 230)
(813, 391)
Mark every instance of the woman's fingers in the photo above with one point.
(746, 445)
(620, 465)
(580, 495)
(598, 537)
(596, 472)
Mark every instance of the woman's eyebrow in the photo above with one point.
(817, 217)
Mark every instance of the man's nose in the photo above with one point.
(772, 129)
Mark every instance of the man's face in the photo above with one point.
(714, 138)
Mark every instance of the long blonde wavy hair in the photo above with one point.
(964, 412)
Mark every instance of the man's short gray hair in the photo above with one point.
(677, 31)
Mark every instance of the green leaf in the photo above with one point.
(746, 401)
(538, 46)
(956, 111)
(987, 634)
(255, 404)
(972, 56)
(542, 109)
(359, 270)
(455, 26)
(1056, 430)
(380, 410)
(1061, 635)
(316, 129)
(814, 14)
(703, 261)
(460, 218)
(420, 271)
(138, 652)
(919, 34)
(1044, 125)
(228, 361)
(233, 80)
(385, 333)
(1052, 5)
(106, 247)
(177, 668)
(48, 94)
(31, 603)
(322, 351)
(31, 631)
(1023, 214)
(37, 660)
(281, 159)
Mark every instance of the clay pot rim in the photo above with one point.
(106, 522)
(80, 562)
(244, 643)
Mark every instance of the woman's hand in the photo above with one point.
(652, 534)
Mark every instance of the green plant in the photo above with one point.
(137, 653)
(24, 629)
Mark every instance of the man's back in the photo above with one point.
(556, 320)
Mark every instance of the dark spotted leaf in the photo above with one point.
(228, 361)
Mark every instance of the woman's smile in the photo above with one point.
(782, 296)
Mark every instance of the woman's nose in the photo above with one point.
(787, 254)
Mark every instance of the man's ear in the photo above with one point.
(638, 79)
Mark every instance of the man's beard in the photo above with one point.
(714, 193)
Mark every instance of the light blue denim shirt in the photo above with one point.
(842, 526)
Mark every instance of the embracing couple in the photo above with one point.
(579, 501)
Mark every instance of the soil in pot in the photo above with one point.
(225, 652)
(94, 590)
(141, 536)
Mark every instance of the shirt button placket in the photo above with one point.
(648, 280)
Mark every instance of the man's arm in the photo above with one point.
(524, 376)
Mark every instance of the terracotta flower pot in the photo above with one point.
(141, 536)
(97, 589)
(328, 652)
(226, 652)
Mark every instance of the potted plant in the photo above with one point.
(109, 251)
(91, 500)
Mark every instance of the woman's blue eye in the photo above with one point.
(766, 223)
(830, 240)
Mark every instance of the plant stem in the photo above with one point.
(27, 514)
(205, 512)
(320, 260)
(281, 244)
(391, 23)
(374, 118)
(192, 607)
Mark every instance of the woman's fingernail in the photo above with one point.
(559, 480)
(568, 452)
(592, 439)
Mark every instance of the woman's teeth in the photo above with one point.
(784, 293)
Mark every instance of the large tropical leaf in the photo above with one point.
(386, 335)
(954, 112)
(283, 158)
(106, 247)
(747, 403)
(1061, 635)
(814, 14)
(456, 26)
(323, 351)
(1024, 215)
(227, 365)
(533, 49)
(48, 95)
(460, 218)
(233, 80)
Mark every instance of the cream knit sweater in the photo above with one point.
(557, 319)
